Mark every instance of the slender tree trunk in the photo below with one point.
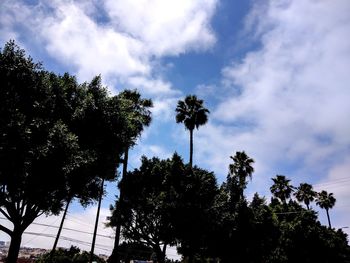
(96, 222)
(329, 220)
(307, 206)
(114, 258)
(16, 238)
(191, 148)
(60, 228)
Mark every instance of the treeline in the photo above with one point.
(168, 203)
(61, 140)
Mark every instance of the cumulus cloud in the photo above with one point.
(119, 39)
(286, 103)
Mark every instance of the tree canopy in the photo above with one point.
(59, 140)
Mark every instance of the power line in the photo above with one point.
(30, 240)
(79, 221)
(66, 228)
(335, 181)
(100, 246)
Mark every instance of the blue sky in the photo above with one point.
(274, 74)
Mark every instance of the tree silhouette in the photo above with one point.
(305, 194)
(193, 114)
(281, 188)
(137, 115)
(58, 141)
(326, 201)
(240, 170)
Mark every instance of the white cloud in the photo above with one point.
(165, 27)
(286, 103)
(121, 40)
(124, 41)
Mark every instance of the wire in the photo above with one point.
(66, 228)
(79, 221)
(100, 246)
(30, 240)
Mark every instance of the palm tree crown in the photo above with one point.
(193, 114)
(305, 194)
(326, 201)
(241, 168)
(281, 188)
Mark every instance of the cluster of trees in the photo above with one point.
(170, 203)
(61, 140)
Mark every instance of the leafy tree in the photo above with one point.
(326, 201)
(305, 194)
(240, 170)
(281, 188)
(193, 114)
(143, 215)
(193, 217)
(58, 141)
(165, 203)
(38, 151)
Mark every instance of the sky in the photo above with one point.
(274, 74)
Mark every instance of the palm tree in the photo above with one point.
(193, 114)
(326, 201)
(305, 194)
(241, 169)
(281, 188)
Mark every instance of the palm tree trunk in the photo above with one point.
(115, 253)
(191, 147)
(329, 220)
(60, 228)
(96, 222)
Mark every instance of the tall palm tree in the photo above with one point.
(305, 194)
(281, 188)
(326, 201)
(193, 114)
(241, 169)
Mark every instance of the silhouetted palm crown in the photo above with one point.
(305, 194)
(241, 167)
(281, 188)
(191, 112)
(325, 200)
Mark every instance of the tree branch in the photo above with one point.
(6, 230)
(5, 214)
